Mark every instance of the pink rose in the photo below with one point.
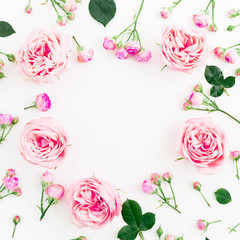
(155, 178)
(197, 186)
(183, 49)
(165, 13)
(70, 5)
(231, 56)
(28, 9)
(235, 154)
(196, 98)
(202, 225)
(201, 20)
(18, 192)
(43, 102)
(43, 56)
(143, 56)
(93, 202)
(167, 176)
(132, 47)
(55, 191)
(218, 51)
(11, 183)
(202, 143)
(47, 177)
(11, 173)
(109, 43)
(148, 186)
(121, 53)
(85, 56)
(6, 119)
(170, 237)
(43, 142)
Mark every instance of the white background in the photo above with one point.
(122, 118)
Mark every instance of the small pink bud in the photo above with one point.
(231, 56)
(1, 63)
(187, 106)
(6, 119)
(170, 237)
(143, 56)
(202, 225)
(18, 192)
(109, 43)
(16, 220)
(201, 20)
(218, 51)
(121, 53)
(11, 183)
(148, 186)
(235, 154)
(15, 120)
(213, 27)
(61, 21)
(28, 9)
(10, 173)
(233, 13)
(71, 16)
(155, 178)
(237, 72)
(55, 191)
(47, 177)
(197, 186)
(85, 56)
(132, 47)
(165, 13)
(196, 98)
(43, 102)
(167, 177)
(198, 88)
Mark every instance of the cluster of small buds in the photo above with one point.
(228, 54)
(7, 121)
(166, 12)
(42, 103)
(84, 54)
(203, 225)
(232, 13)
(16, 220)
(53, 191)
(10, 184)
(131, 48)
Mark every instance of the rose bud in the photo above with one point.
(187, 106)
(11, 58)
(196, 98)
(47, 178)
(235, 154)
(55, 191)
(70, 5)
(2, 75)
(165, 13)
(43, 103)
(133, 47)
(143, 56)
(155, 178)
(232, 13)
(148, 186)
(121, 53)
(61, 21)
(213, 27)
(1, 63)
(11, 183)
(231, 56)
(231, 28)
(167, 177)
(170, 237)
(16, 220)
(85, 56)
(201, 224)
(15, 121)
(159, 232)
(237, 72)
(18, 192)
(109, 43)
(71, 16)
(10, 173)
(198, 88)
(28, 9)
(201, 20)
(197, 186)
(218, 51)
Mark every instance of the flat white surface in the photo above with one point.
(122, 118)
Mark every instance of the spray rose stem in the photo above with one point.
(79, 46)
(176, 3)
(44, 212)
(234, 228)
(174, 198)
(3, 137)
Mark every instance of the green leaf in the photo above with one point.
(147, 221)
(216, 91)
(127, 233)
(229, 82)
(223, 196)
(214, 75)
(132, 213)
(6, 29)
(102, 11)
(207, 238)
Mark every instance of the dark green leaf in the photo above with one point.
(229, 82)
(147, 222)
(6, 29)
(132, 213)
(102, 10)
(127, 233)
(216, 91)
(207, 238)
(223, 196)
(214, 75)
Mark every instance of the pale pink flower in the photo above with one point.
(11, 173)
(43, 142)
(235, 154)
(196, 98)
(109, 43)
(231, 56)
(218, 51)
(121, 53)
(85, 56)
(165, 13)
(167, 176)
(197, 186)
(143, 56)
(201, 20)
(186, 106)
(43, 102)
(28, 9)
(170, 237)
(148, 186)
(47, 177)
(183, 49)
(93, 202)
(6, 119)
(202, 225)
(55, 191)
(61, 21)
(202, 143)
(132, 47)
(70, 5)
(11, 183)
(43, 56)
(155, 178)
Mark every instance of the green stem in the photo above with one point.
(174, 198)
(233, 45)
(160, 188)
(213, 6)
(205, 199)
(204, 109)
(14, 230)
(225, 90)
(139, 39)
(32, 106)
(123, 31)
(7, 133)
(77, 43)
(213, 103)
(42, 199)
(3, 131)
(60, 6)
(234, 228)
(4, 54)
(141, 235)
(208, 5)
(29, 2)
(139, 11)
(2, 189)
(220, 110)
(55, 8)
(6, 195)
(214, 222)
(237, 173)
(44, 212)
(176, 4)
